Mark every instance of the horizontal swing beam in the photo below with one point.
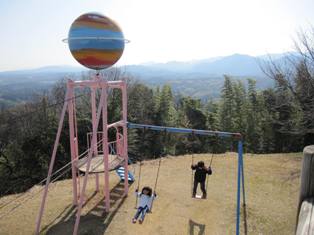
(185, 130)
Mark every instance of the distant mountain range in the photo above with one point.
(234, 65)
(237, 65)
(200, 78)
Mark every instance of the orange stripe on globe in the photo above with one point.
(96, 41)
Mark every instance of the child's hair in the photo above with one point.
(200, 164)
(148, 189)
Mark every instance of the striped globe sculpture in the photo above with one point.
(96, 41)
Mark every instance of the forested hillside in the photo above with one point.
(199, 78)
(278, 119)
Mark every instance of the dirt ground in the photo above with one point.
(271, 182)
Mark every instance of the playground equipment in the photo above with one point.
(91, 164)
(217, 134)
(97, 42)
(94, 161)
(121, 173)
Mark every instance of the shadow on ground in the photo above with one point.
(196, 228)
(96, 220)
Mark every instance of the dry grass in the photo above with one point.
(272, 184)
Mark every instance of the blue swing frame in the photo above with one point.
(238, 136)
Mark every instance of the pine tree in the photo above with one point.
(240, 107)
(304, 93)
(167, 117)
(253, 128)
(139, 111)
(191, 115)
(167, 109)
(227, 106)
(286, 123)
(267, 101)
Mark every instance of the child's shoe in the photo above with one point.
(140, 221)
(133, 221)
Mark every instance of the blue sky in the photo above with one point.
(159, 30)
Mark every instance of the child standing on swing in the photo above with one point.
(145, 201)
(200, 177)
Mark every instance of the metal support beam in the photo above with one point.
(125, 137)
(52, 162)
(185, 130)
(94, 148)
(240, 173)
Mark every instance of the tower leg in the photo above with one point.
(94, 148)
(125, 137)
(77, 176)
(105, 149)
(72, 142)
(93, 142)
(52, 161)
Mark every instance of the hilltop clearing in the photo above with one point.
(272, 186)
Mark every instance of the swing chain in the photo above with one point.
(211, 160)
(140, 168)
(164, 150)
(192, 155)
(138, 182)
(157, 176)
(214, 152)
(155, 186)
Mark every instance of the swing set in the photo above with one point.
(217, 134)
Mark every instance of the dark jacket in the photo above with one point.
(200, 173)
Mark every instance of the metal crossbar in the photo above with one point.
(185, 130)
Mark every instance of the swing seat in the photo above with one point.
(197, 196)
(97, 163)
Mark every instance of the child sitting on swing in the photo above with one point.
(200, 177)
(146, 198)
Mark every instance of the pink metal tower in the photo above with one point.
(99, 145)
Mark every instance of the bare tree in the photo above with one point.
(296, 72)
